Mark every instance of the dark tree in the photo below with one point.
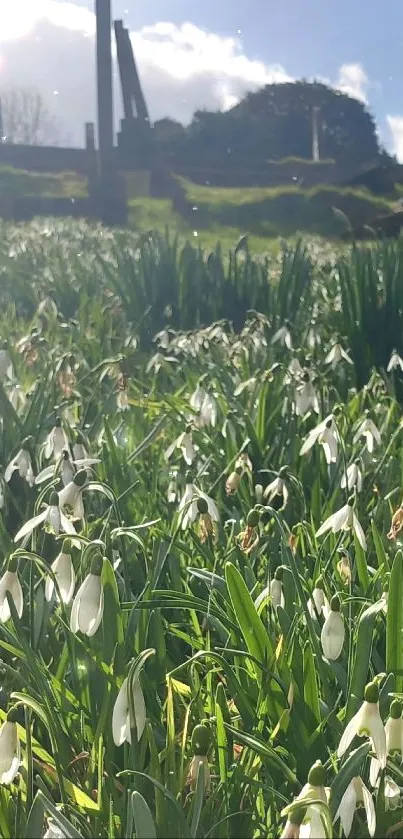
(276, 122)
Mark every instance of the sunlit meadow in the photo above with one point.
(201, 576)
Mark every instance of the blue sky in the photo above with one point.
(354, 45)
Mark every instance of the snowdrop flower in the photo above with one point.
(344, 568)
(249, 538)
(367, 723)
(207, 527)
(10, 752)
(121, 726)
(313, 824)
(233, 481)
(306, 397)
(276, 588)
(52, 516)
(353, 478)
(318, 604)
(10, 583)
(188, 509)
(56, 441)
(392, 794)
(368, 430)
(22, 463)
(201, 739)
(283, 336)
(396, 523)
(344, 519)
(17, 397)
(336, 355)
(326, 434)
(294, 368)
(205, 405)
(333, 632)
(185, 443)
(276, 493)
(63, 570)
(6, 367)
(395, 361)
(356, 795)
(67, 467)
(71, 495)
(88, 605)
(394, 739)
(293, 825)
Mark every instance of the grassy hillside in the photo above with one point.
(282, 211)
(223, 214)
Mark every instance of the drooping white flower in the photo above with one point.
(306, 397)
(188, 509)
(6, 366)
(344, 519)
(63, 570)
(66, 466)
(21, 462)
(52, 516)
(205, 406)
(16, 396)
(275, 492)
(353, 478)
(121, 729)
(294, 368)
(392, 794)
(88, 605)
(395, 361)
(368, 429)
(336, 355)
(283, 336)
(367, 722)
(333, 632)
(199, 760)
(185, 443)
(292, 827)
(313, 823)
(326, 434)
(71, 495)
(10, 752)
(233, 481)
(318, 604)
(394, 739)
(356, 795)
(10, 583)
(56, 441)
(276, 588)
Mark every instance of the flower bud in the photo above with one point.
(253, 518)
(316, 775)
(201, 739)
(202, 506)
(371, 692)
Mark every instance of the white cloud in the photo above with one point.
(353, 80)
(395, 126)
(50, 44)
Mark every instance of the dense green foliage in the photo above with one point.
(241, 693)
(272, 124)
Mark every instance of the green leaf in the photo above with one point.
(350, 769)
(34, 825)
(250, 624)
(394, 623)
(143, 820)
(362, 658)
